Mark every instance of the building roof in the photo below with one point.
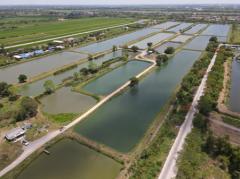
(14, 133)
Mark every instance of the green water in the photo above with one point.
(114, 79)
(122, 122)
(71, 160)
(65, 100)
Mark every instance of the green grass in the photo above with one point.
(44, 30)
(194, 163)
(62, 118)
(235, 36)
(231, 121)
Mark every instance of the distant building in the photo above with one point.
(15, 134)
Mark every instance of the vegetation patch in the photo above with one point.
(62, 118)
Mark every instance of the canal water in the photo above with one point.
(69, 159)
(36, 88)
(234, 100)
(122, 122)
(114, 79)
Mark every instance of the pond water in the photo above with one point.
(196, 28)
(165, 25)
(198, 43)
(41, 65)
(234, 100)
(36, 88)
(66, 101)
(163, 47)
(121, 122)
(118, 41)
(114, 79)
(69, 159)
(217, 30)
(154, 39)
(182, 26)
(182, 38)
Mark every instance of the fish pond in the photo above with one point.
(121, 122)
(69, 159)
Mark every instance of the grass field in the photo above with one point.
(39, 30)
(235, 36)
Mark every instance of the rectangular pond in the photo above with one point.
(153, 39)
(111, 81)
(118, 41)
(234, 101)
(198, 43)
(217, 30)
(163, 47)
(69, 159)
(121, 122)
(180, 27)
(35, 67)
(182, 38)
(165, 25)
(196, 28)
(64, 100)
(36, 88)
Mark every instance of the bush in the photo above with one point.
(169, 50)
(133, 81)
(22, 78)
(28, 109)
(1, 105)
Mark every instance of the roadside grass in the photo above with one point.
(44, 30)
(8, 153)
(195, 163)
(231, 121)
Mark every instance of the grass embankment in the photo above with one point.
(231, 121)
(44, 30)
(205, 156)
(149, 163)
(235, 35)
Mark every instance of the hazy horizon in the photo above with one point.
(111, 2)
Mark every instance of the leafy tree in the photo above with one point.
(28, 109)
(134, 48)
(149, 44)
(4, 89)
(169, 50)
(76, 76)
(133, 81)
(92, 67)
(90, 57)
(84, 71)
(49, 86)
(161, 59)
(213, 39)
(114, 48)
(22, 78)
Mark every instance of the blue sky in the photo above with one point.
(12, 2)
